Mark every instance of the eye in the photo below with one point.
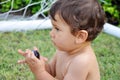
(57, 29)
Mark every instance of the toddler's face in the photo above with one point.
(61, 35)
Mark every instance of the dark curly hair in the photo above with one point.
(80, 15)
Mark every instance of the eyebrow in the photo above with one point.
(54, 24)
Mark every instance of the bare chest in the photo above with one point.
(62, 66)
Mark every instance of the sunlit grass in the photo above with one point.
(106, 48)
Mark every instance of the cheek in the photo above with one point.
(59, 40)
(64, 42)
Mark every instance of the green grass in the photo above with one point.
(106, 48)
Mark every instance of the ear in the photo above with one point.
(81, 36)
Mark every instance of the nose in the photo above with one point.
(52, 33)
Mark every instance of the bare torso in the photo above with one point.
(64, 61)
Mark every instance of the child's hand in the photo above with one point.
(36, 65)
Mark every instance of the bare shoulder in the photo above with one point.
(81, 61)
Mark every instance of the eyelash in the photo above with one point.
(57, 28)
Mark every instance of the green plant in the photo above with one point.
(112, 10)
(18, 4)
(13, 4)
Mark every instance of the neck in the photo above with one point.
(81, 48)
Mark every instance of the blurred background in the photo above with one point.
(25, 24)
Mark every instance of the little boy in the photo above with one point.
(75, 24)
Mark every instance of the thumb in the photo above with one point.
(44, 58)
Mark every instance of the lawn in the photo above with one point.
(107, 50)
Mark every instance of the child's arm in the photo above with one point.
(44, 76)
(50, 67)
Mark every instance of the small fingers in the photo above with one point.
(22, 52)
(28, 54)
(35, 48)
(21, 61)
(30, 58)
